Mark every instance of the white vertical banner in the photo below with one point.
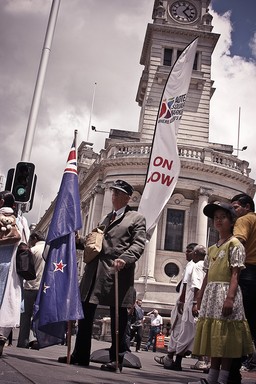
(164, 163)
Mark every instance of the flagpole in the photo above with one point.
(238, 132)
(31, 127)
(69, 328)
(92, 105)
(75, 138)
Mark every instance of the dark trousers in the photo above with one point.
(26, 317)
(82, 348)
(152, 337)
(248, 287)
(247, 282)
(137, 332)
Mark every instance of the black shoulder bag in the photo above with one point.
(25, 265)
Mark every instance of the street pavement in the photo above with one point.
(26, 366)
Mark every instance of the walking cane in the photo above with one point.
(69, 341)
(117, 319)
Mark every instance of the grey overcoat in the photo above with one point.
(124, 238)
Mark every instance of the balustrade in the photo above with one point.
(204, 155)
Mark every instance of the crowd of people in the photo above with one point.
(214, 317)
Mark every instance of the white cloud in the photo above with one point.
(252, 45)
(94, 41)
(235, 82)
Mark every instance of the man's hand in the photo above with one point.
(119, 264)
(180, 307)
(195, 311)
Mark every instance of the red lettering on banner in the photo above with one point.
(164, 179)
(164, 163)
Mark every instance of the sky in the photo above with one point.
(100, 42)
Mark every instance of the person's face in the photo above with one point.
(221, 220)
(189, 253)
(139, 303)
(119, 199)
(195, 256)
(240, 211)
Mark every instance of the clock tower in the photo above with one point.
(175, 25)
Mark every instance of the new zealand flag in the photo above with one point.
(58, 300)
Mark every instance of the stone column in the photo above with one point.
(107, 201)
(148, 259)
(96, 206)
(201, 230)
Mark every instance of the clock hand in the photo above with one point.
(185, 13)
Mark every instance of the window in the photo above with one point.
(195, 65)
(171, 270)
(174, 230)
(168, 56)
(213, 235)
(179, 52)
(196, 61)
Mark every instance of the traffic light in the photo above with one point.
(9, 179)
(23, 182)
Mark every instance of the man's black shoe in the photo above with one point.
(111, 367)
(73, 361)
(34, 345)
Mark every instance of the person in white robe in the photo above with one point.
(10, 282)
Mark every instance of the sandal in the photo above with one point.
(159, 359)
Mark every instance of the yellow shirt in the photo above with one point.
(245, 230)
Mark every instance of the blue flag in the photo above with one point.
(58, 299)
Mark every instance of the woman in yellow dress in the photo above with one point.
(222, 331)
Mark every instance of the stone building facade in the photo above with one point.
(209, 171)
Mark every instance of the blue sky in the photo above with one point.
(243, 20)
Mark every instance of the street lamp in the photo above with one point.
(242, 149)
(96, 130)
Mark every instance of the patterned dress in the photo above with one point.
(216, 335)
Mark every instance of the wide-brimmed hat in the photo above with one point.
(209, 209)
(123, 186)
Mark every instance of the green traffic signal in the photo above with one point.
(23, 182)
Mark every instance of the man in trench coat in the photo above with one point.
(123, 244)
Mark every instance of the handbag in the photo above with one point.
(25, 265)
(160, 341)
(93, 243)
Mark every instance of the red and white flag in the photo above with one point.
(164, 162)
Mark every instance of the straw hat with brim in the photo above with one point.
(210, 209)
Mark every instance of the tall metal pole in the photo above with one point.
(27, 147)
(238, 132)
(90, 119)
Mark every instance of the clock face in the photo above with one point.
(183, 11)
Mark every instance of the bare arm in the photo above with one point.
(12, 237)
(200, 293)
(229, 301)
(182, 299)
